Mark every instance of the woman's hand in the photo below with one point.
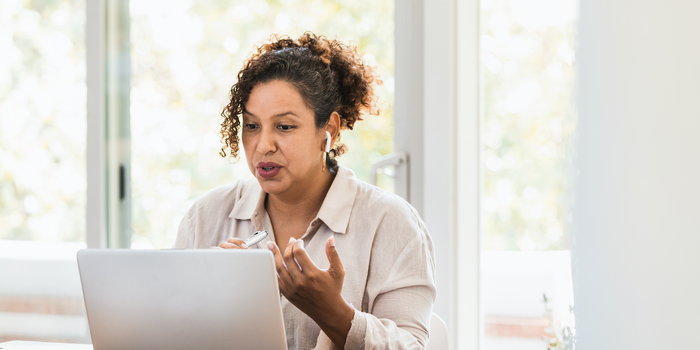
(233, 243)
(315, 292)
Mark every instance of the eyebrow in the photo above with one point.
(274, 116)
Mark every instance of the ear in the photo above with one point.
(333, 127)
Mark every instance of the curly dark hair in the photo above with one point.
(329, 75)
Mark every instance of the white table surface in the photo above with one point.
(32, 345)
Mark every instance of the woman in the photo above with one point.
(355, 264)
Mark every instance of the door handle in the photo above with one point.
(399, 160)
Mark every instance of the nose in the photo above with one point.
(267, 143)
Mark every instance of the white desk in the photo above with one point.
(35, 345)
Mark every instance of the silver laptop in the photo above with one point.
(181, 299)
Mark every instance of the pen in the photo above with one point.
(256, 237)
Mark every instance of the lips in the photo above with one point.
(268, 170)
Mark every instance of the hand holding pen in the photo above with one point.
(237, 243)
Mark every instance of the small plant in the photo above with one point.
(558, 337)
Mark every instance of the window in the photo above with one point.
(42, 169)
(527, 56)
(42, 122)
(183, 58)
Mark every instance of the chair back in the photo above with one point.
(439, 339)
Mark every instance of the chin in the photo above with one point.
(273, 186)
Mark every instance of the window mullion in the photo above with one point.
(118, 128)
(96, 211)
(108, 212)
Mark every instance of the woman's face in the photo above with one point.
(282, 145)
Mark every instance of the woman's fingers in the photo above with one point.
(282, 286)
(280, 266)
(233, 243)
(292, 266)
(302, 257)
(238, 242)
(226, 245)
(336, 268)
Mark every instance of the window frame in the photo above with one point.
(437, 122)
(95, 210)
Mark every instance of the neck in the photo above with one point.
(304, 203)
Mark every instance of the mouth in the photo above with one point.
(267, 170)
(267, 165)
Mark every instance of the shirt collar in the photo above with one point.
(251, 204)
(337, 206)
(335, 209)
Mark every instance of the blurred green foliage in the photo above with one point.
(529, 118)
(42, 120)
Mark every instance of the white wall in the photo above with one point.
(637, 205)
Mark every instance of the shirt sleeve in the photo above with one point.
(207, 216)
(401, 313)
(186, 230)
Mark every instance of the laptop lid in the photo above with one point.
(181, 299)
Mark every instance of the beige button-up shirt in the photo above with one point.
(384, 246)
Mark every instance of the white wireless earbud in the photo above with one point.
(328, 142)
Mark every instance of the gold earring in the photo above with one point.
(323, 162)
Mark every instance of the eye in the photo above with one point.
(285, 127)
(250, 126)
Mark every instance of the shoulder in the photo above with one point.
(400, 249)
(376, 199)
(395, 218)
(207, 218)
